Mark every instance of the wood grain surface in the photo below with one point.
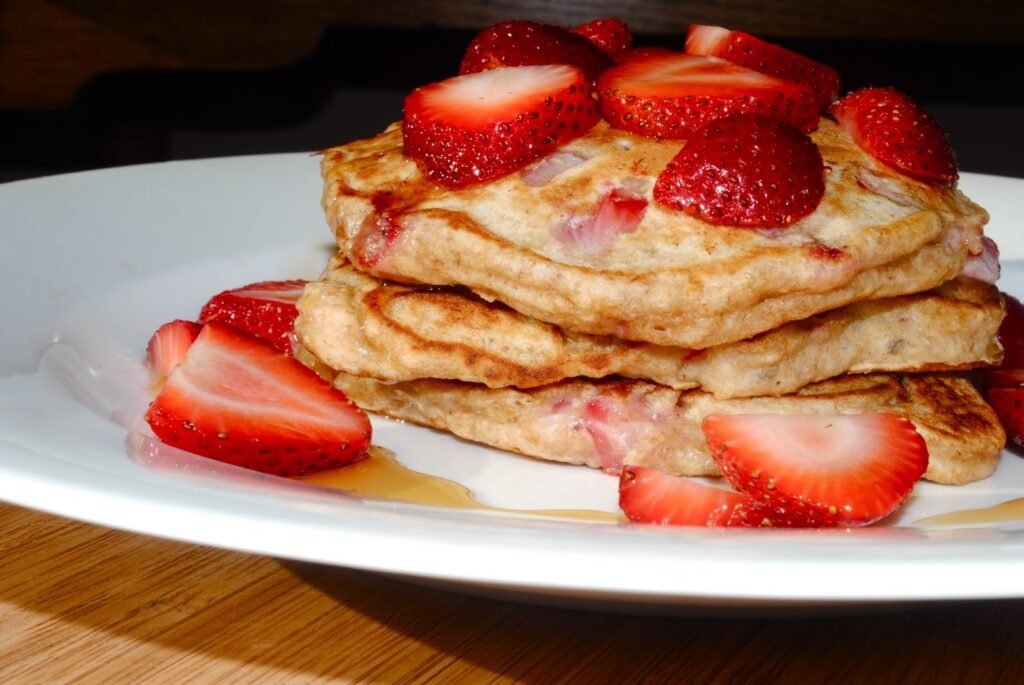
(85, 604)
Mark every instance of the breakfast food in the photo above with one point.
(660, 264)
(614, 423)
(230, 390)
(750, 268)
(360, 325)
(645, 272)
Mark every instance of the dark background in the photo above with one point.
(109, 82)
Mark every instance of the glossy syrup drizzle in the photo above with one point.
(382, 477)
(1012, 510)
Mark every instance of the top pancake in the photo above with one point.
(675, 280)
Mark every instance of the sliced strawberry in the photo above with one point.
(753, 53)
(1003, 385)
(846, 469)
(238, 400)
(640, 53)
(1010, 373)
(266, 310)
(168, 346)
(893, 129)
(523, 43)
(755, 514)
(1011, 334)
(648, 495)
(479, 127)
(670, 96)
(618, 212)
(1008, 404)
(998, 377)
(611, 36)
(744, 171)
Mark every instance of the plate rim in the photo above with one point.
(19, 487)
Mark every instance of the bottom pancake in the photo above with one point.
(611, 423)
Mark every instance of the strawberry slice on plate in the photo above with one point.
(648, 495)
(1010, 372)
(237, 399)
(169, 345)
(744, 171)
(611, 36)
(894, 129)
(524, 43)
(1011, 334)
(1003, 385)
(1008, 404)
(266, 310)
(753, 53)
(478, 127)
(670, 96)
(846, 469)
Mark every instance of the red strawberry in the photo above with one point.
(1010, 373)
(754, 514)
(753, 53)
(893, 129)
(670, 96)
(236, 399)
(1004, 384)
(843, 469)
(744, 171)
(998, 377)
(1011, 334)
(651, 496)
(1008, 404)
(643, 52)
(168, 346)
(611, 36)
(266, 310)
(648, 495)
(479, 127)
(522, 43)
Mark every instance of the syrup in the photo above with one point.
(1012, 510)
(382, 477)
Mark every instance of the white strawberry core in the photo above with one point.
(693, 73)
(486, 96)
(706, 40)
(816, 445)
(288, 296)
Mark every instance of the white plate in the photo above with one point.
(92, 263)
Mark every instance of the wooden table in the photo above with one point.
(88, 604)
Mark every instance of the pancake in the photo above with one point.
(674, 280)
(395, 332)
(611, 423)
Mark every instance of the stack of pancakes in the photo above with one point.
(507, 314)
